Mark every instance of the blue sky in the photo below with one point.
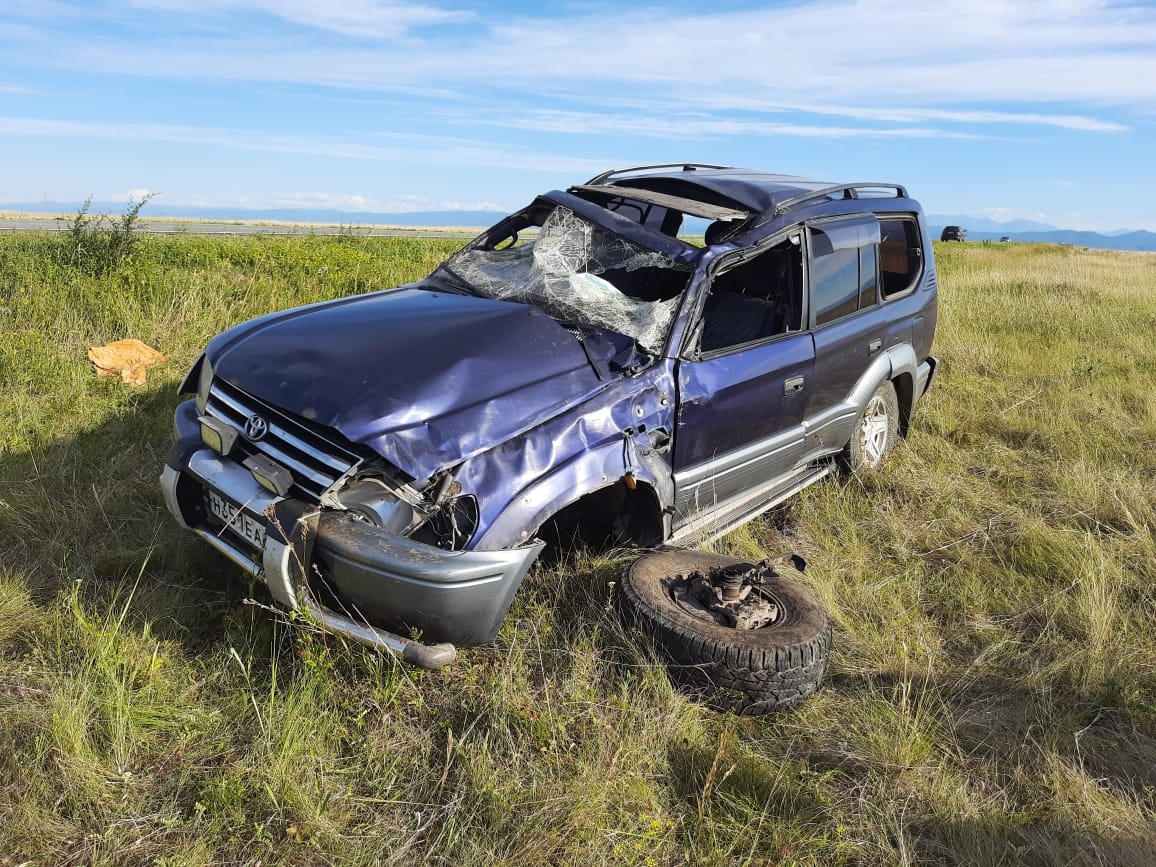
(1041, 110)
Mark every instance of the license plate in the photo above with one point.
(233, 517)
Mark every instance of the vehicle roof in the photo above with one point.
(752, 189)
(757, 192)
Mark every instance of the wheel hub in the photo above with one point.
(734, 596)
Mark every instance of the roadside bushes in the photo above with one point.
(99, 244)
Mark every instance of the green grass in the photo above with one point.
(991, 697)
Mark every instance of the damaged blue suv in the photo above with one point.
(393, 462)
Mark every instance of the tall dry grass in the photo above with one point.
(990, 697)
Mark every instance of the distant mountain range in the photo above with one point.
(1028, 231)
(328, 216)
(978, 228)
(1139, 241)
(983, 224)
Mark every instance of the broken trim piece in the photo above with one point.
(650, 168)
(674, 203)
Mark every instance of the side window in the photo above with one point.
(844, 270)
(900, 255)
(755, 299)
(835, 284)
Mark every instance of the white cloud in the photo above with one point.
(471, 206)
(134, 195)
(922, 67)
(1003, 215)
(691, 126)
(920, 115)
(37, 9)
(408, 150)
(338, 201)
(359, 18)
(348, 202)
(887, 52)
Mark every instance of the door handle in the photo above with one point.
(874, 346)
(793, 385)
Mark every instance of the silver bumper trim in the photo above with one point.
(926, 373)
(169, 478)
(282, 589)
(276, 570)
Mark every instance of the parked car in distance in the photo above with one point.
(953, 233)
(392, 462)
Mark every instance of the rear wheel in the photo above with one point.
(876, 432)
(765, 650)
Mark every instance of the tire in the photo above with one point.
(750, 671)
(876, 431)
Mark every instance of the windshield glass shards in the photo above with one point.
(577, 272)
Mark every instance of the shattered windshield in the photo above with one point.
(578, 273)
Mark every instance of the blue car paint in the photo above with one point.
(424, 378)
(592, 445)
(516, 386)
(725, 404)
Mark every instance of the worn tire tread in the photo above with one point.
(765, 670)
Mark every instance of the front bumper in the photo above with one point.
(374, 583)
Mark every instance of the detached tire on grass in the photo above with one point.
(756, 670)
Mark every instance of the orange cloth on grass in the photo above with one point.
(128, 358)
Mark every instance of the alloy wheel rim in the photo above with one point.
(873, 431)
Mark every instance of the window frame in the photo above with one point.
(692, 337)
(917, 279)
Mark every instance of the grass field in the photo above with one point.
(991, 697)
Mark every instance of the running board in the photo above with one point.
(727, 516)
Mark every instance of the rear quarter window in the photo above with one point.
(900, 255)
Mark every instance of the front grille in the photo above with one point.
(316, 456)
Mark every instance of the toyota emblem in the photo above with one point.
(256, 428)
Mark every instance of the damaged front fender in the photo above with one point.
(537, 503)
(623, 432)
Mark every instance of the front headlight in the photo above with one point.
(371, 500)
(204, 380)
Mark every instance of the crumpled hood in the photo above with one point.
(425, 378)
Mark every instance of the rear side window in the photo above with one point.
(900, 255)
(843, 267)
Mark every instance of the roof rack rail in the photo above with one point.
(686, 167)
(849, 191)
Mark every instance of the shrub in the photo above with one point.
(99, 244)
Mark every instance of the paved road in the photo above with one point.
(190, 227)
